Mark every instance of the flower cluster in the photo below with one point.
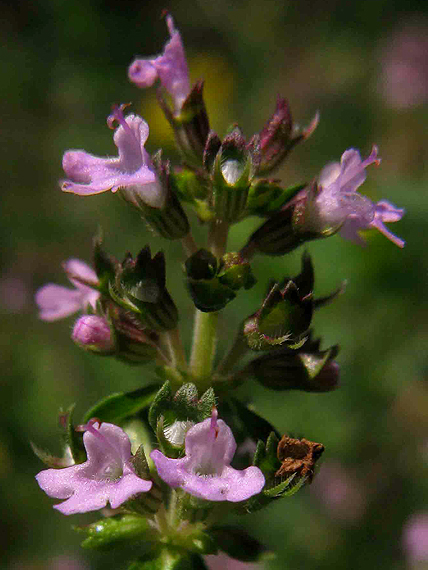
(186, 469)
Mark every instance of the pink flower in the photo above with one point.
(131, 172)
(170, 68)
(106, 477)
(337, 203)
(205, 471)
(56, 302)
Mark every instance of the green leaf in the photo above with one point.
(287, 488)
(116, 407)
(120, 529)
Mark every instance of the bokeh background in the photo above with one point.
(363, 66)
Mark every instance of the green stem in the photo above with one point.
(204, 345)
(178, 358)
(217, 237)
(189, 245)
(205, 325)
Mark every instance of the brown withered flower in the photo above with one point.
(298, 456)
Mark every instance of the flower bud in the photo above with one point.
(232, 171)
(279, 137)
(275, 237)
(191, 125)
(306, 369)
(285, 314)
(212, 283)
(93, 333)
(140, 288)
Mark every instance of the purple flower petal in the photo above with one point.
(106, 477)
(338, 204)
(170, 68)
(131, 170)
(205, 471)
(57, 302)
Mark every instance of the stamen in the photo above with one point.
(117, 115)
(213, 425)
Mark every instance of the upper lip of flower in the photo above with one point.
(170, 67)
(89, 174)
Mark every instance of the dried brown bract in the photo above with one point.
(298, 456)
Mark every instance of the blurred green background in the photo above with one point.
(363, 66)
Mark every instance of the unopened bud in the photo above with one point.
(212, 283)
(232, 172)
(140, 288)
(279, 137)
(306, 369)
(285, 314)
(93, 333)
(190, 125)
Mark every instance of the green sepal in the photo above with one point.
(235, 272)
(201, 543)
(116, 407)
(210, 296)
(73, 439)
(188, 185)
(265, 197)
(140, 465)
(184, 405)
(140, 287)
(105, 265)
(286, 488)
(212, 283)
(231, 177)
(169, 560)
(167, 448)
(266, 459)
(238, 544)
(117, 530)
(308, 369)
(160, 403)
